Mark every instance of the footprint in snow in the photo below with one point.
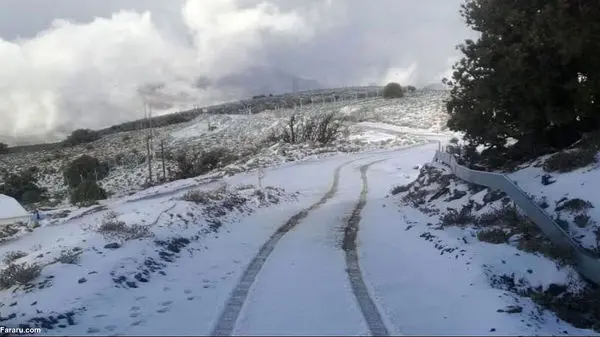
(187, 291)
(138, 322)
(163, 310)
(166, 303)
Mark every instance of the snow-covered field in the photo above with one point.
(319, 245)
(246, 135)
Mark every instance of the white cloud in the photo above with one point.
(228, 38)
(404, 76)
(87, 72)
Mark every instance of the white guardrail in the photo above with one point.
(586, 263)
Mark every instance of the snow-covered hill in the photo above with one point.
(246, 135)
(296, 239)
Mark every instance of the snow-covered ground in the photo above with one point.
(178, 278)
(314, 245)
(581, 221)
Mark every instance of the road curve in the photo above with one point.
(229, 316)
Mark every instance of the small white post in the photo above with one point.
(260, 176)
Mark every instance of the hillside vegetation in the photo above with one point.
(226, 141)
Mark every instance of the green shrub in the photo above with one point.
(12, 256)
(579, 306)
(400, 189)
(113, 228)
(198, 197)
(461, 218)
(86, 192)
(416, 197)
(574, 205)
(81, 136)
(23, 187)
(70, 256)
(590, 140)
(507, 216)
(196, 164)
(582, 220)
(19, 274)
(393, 90)
(494, 235)
(84, 168)
(566, 161)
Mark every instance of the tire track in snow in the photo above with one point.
(228, 318)
(367, 305)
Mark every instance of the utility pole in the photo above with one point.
(151, 130)
(149, 160)
(148, 155)
(162, 155)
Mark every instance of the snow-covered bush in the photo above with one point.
(19, 274)
(493, 235)
(87, 192)
(113, 228)
(193, 164)
(319, 128)
(11, 257)
(566, 161)
(70, 256)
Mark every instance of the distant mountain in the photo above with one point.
(260, 80)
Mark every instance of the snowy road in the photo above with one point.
(306, 279)
(340, 258)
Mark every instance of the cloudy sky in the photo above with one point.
(66, 64)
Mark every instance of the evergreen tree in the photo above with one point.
(531, 75)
